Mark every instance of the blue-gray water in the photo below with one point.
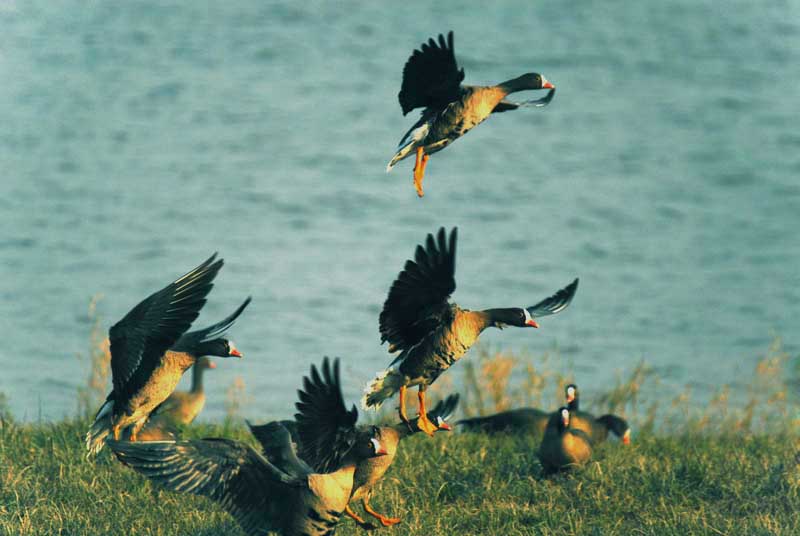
(136, 138)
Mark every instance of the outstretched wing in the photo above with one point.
(555, 303)
(431, 77)
(325, 428)
(417, 302)
(229, 472)
(506, 105)
(151, 328)
(276, 442)
(191, 339)
(444, 409)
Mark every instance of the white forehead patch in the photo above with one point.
(376, 444)
(528, 316)
(571, 391)
(565, 414)
(439, 421)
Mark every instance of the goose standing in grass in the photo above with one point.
(183, 407)
(179, 409)
(370, 471)
(279, 492)
(432, 80)
(535, 420)
(431, 333)
(596, 428)
(563, 446)
(150, 351)
(523, 420)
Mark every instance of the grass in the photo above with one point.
(716, 467)
(453, 483)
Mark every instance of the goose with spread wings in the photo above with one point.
(275, 490)
(372, 470)
(432, 81)
(430, 332)
(150, 351)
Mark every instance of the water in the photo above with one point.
(137, 138)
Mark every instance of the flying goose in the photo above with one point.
(431, 333)
(432, 80)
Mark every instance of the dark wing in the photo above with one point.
(431, 77)
(506, 105)
(229, 472)
(151, 328)
(276, 442)
(325, 428)
(191, 339)
(555, 303)
(417, 301)
(444, 408)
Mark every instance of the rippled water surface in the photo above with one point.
(137, 138)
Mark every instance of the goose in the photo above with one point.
(431, 333)
(183, 407)
(150, 351)
(596, 428)
(432, 81)
(563, 446)
(513, 420)
(372, 470)
(279, 492)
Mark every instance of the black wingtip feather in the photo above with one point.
(555, 303)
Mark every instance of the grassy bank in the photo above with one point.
(723, 465)
(452, 484)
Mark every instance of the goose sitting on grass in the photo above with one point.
(279, 492)
(521, 420)
(596, 428)
(563, 446)
(524, 420)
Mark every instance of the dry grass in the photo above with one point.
(720, 467)
(92, 396)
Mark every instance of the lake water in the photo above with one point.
(137, 138)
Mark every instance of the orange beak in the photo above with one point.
(235, 353)
(570, 398)
(532, 323)
(445, 426)
(548, 85)
(626, 438)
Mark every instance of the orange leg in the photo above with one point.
(403, 416)
(385, 521)
(423, 423)
(357, 518)
(419, 170)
